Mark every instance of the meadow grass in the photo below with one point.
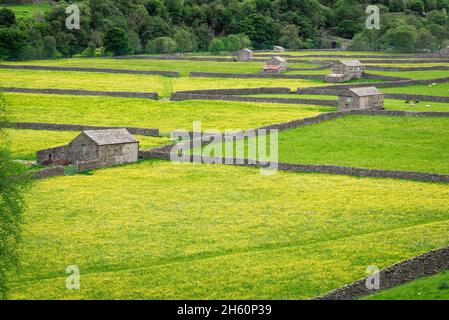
(24, 143)
(164, 115)
(439, 89)
(159, 230)
(389, 104)
(416, 75)
(428, 288)
(28, 10)
(374, 142)
(135, 83)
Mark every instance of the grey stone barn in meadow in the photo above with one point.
(275, 65)
(367, 98)
(345, 70)
(103, 147)
(245, 55)
(278, 49)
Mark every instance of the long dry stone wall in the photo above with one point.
(242, 91)
(76, 127)
(119, 94)
(259, 75)
(427, 264)
(319, 102)
(101, 70)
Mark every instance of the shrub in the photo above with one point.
(7, 17)
(116, 42)
(216, 46)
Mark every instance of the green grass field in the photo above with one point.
(389, 104)
(428, 288)
(25, 143)
(374, 142)
(166, 116)
(416, 75)
(137, 83)
(136, 236)
(439, 89)
(28, 10)
(183, 66)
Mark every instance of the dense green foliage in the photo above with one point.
(166, 26)
(12, 181)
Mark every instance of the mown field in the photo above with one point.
(374, 142)
(25, 143)
(158, 230)
(164, 115)
(428, 288)
(439, 89)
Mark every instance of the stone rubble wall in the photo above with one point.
(120, 94)
(151, 132)
(49, 172)
(427, 264)
(82, 69)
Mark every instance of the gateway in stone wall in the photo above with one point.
(366, 98)
(104, 147)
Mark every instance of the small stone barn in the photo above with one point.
(278, 49)
(366, 98)
(275, 65)
(245, 55)
(104, 147)
(345, 70)
(444, 51)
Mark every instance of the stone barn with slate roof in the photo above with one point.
(245, 55)
(278, 49)
(104, 147)
(345, 70)
(275, 65)
(367, 98)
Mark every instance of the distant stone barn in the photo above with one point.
(105, 147)
(444, 51)
(245, 55)
(367, 98)
(275, 65)
(278, 49)
(345, 70)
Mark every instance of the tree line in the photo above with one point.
(118, 27)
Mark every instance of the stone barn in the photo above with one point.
(245, 55)
(278, 49)
(345, 70)
(366, 98)
(275, 65)
(444, 51)
(104, 147)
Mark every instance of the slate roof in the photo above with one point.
(365, 91)
(280, 59)
(351, 63)
(246, 50)
(110, 136)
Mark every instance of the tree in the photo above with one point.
(216, 46)
(116, 42)
(49, 47)
(402, 38)
(185, 41)
(7, 17)
(13, 180)
(416, 5)
(396, 5)
(290, 37)
(348, 28)
(12, 43)
(425, 40)
(165, 45)
(231, 43)
(134, 42)
(90, 50)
